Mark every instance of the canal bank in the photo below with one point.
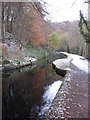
(41, 93)
(71, 100)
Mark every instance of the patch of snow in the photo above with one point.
(65, 53)
(10, 60)
(52, 90)
(80, 63)
(0, 65)
(62, 64)
(23, 63)
(49, 95)
(32, 59)
(28, 59)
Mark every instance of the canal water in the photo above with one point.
(28, 92)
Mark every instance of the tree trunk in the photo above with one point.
(88, 50)
(2, 23)
(68, 50)
(7, 28)
(89, 27)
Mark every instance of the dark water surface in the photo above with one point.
(28, 93)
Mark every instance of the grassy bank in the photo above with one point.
(19, 56)
(37, 53)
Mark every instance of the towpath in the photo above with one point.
(72, 99)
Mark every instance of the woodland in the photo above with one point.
(23, 25)
(44, 65)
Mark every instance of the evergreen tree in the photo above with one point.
(84, 26)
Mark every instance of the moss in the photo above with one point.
(5, 61)
(17, 62)
(51, 71)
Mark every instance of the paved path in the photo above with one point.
(71, 100)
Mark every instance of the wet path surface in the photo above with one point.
(77, 98)
(72, 99)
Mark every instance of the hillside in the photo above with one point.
(27, 24)
(24, 32)
(71, 37)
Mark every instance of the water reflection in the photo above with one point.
(24, 94)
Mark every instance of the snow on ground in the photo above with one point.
(49, 95)
(81, 62)
(52, 90)
(62, 64)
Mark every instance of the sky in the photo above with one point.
(65, 10)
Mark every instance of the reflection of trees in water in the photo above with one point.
(23, 94)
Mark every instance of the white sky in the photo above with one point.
(63, 10)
